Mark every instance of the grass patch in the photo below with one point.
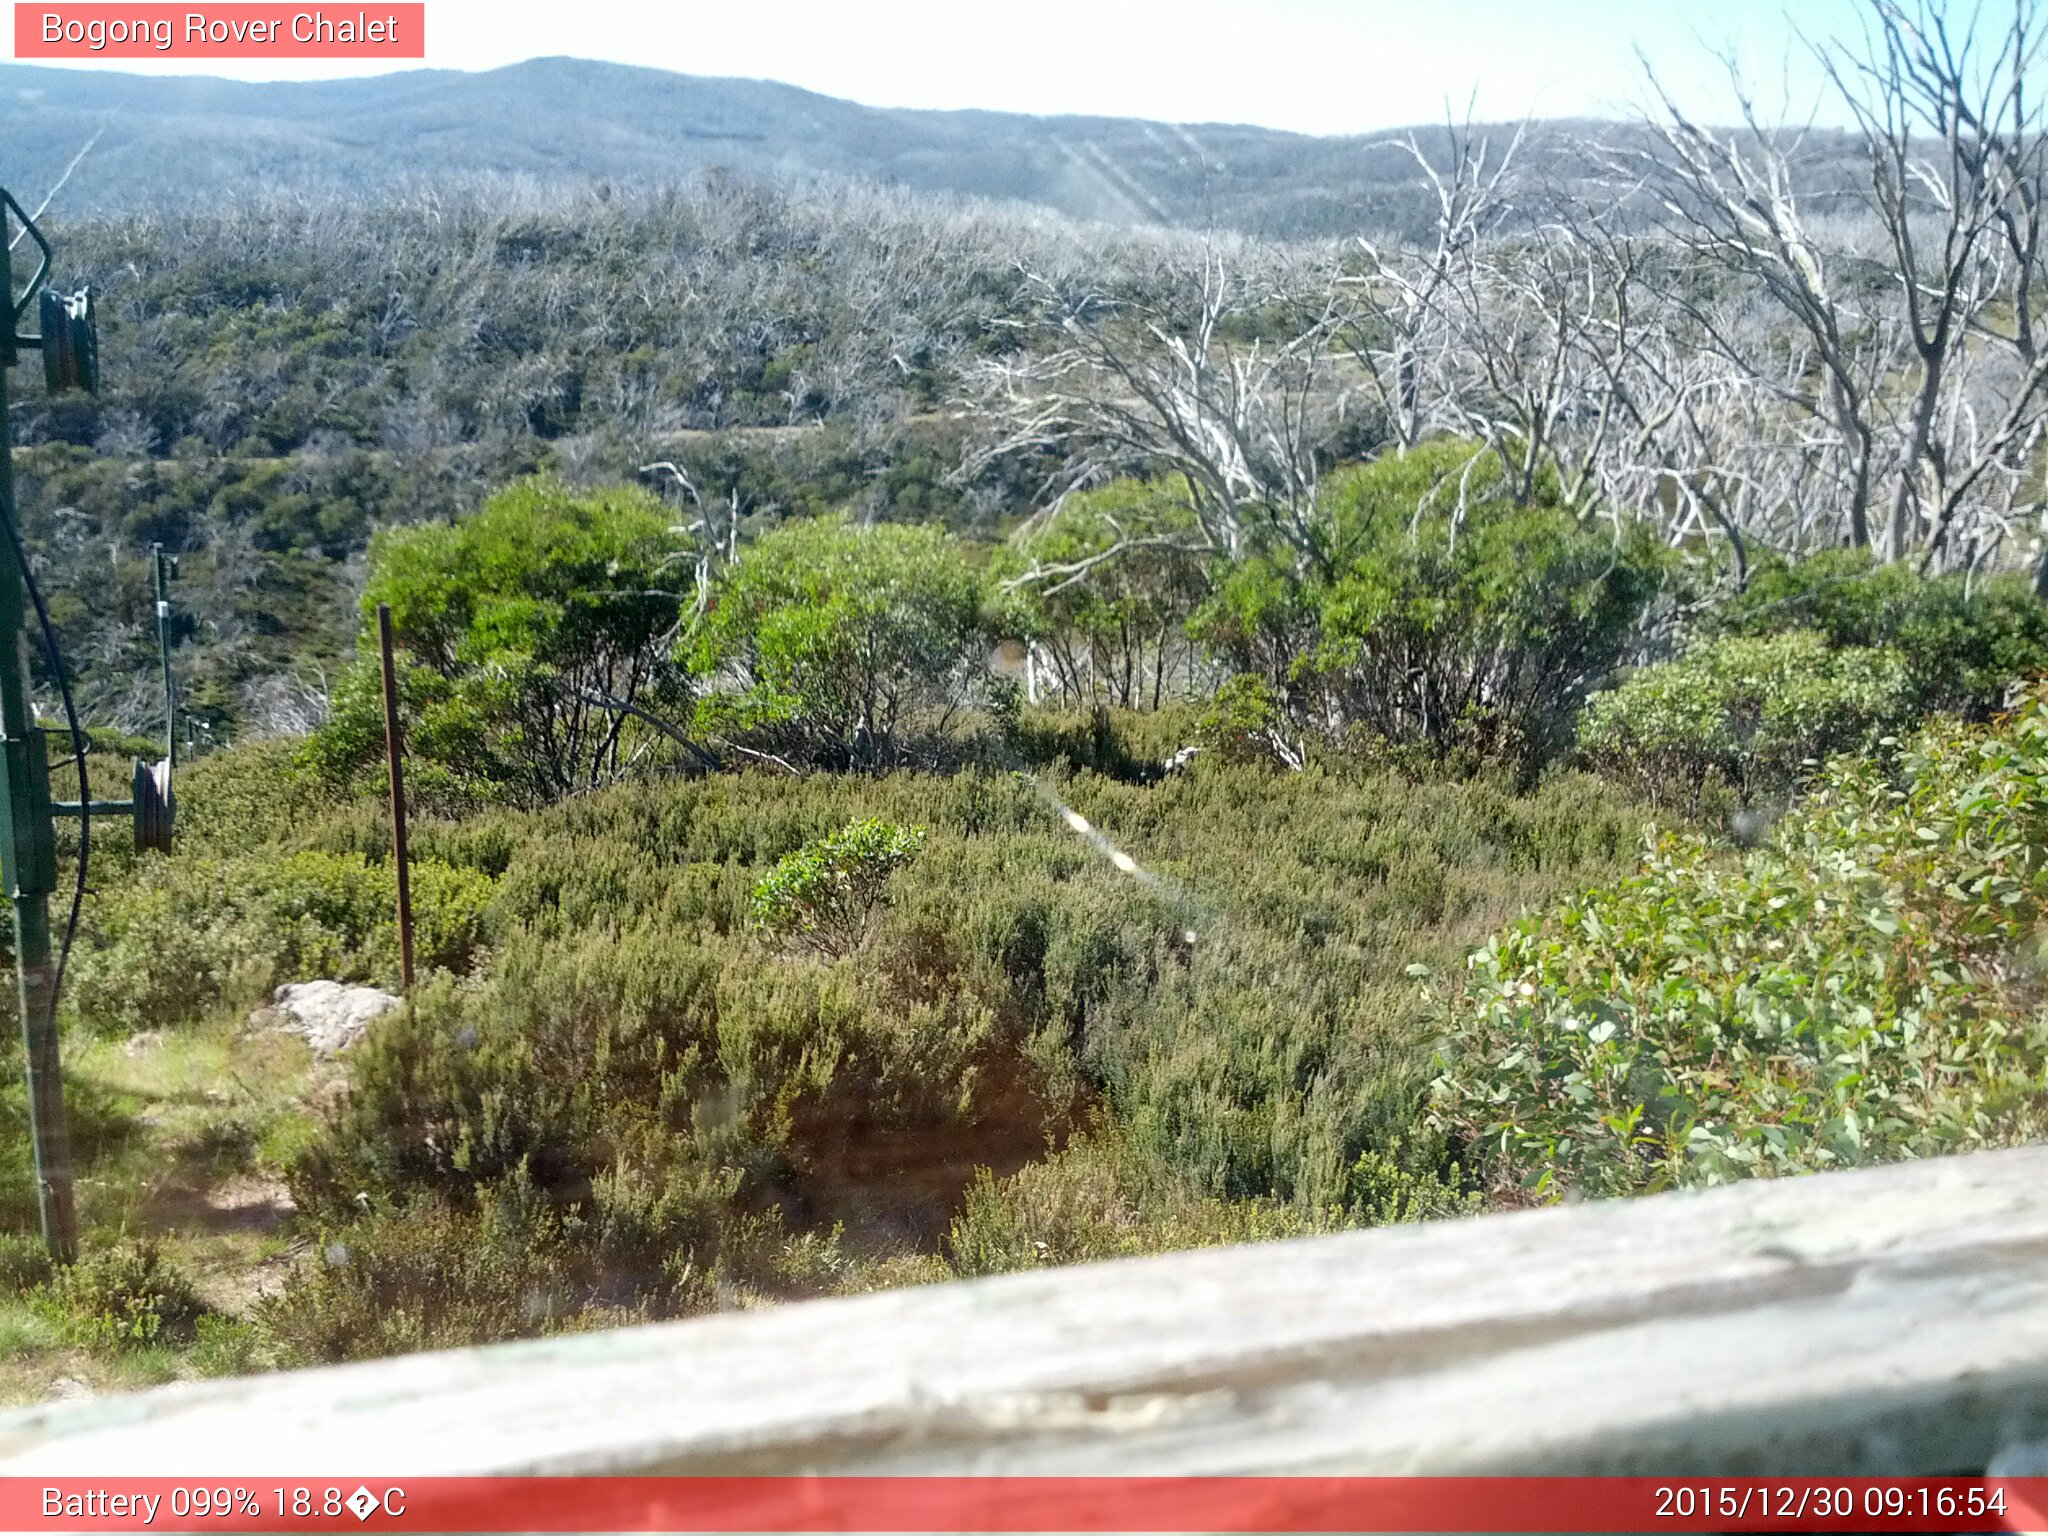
(186, 1134)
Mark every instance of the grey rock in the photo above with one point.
(330, 1016)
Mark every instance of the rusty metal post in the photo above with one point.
(394, 756)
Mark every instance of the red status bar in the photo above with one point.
(1017, 1504)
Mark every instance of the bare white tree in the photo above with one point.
(1954, 147)
(1730, 204)
(1898, 375)
(1217, 378)
(1397, 325)
(711, 538)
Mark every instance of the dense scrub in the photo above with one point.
(725, 1000)
(740, 1036)
(1748, 716)
(830, 643)
(1963, 641)
(557, 640)
(775, 945)
(1443, 609)
(623, 1091)
(1834, 654)
(531, 629)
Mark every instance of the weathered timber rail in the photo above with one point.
(1892, 1320)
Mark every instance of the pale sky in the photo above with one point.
(1317, 66)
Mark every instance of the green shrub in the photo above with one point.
(630, 1089)
(318, 913)
(1108, 629)
(122, 1296)
(523, 627)
(229, 1346)
(183, 937)
(1965, 640)
(1246, 722)
(645, 1095)
(1101, 1198)
(1408, 1180)
(424, 1278)
(451, 914)
(335, 915)
(164, 948)
(240, 799)
(1864, 987)
(1752, 715)
(826, 894)
(1443, 612)
(1133, 746)
(828, 642)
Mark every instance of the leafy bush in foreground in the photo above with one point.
(1866, 986)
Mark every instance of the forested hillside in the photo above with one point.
(947, 739)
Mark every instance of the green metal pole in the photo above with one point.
(28, 858)
(162, 562)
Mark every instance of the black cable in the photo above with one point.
(79, 744)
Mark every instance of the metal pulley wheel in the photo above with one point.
(156, 808)
(71, 342)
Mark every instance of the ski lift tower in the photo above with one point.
(67, 341)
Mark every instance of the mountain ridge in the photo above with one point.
(168, 141)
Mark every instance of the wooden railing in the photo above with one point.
(1893, 1320)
